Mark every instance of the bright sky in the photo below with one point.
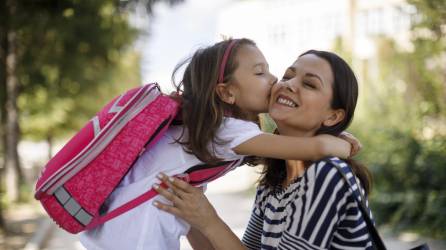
(175, 34)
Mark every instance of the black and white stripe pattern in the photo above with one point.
(317, 211)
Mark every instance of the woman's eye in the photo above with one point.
(259, 74)
(285, 78)
(309, 85)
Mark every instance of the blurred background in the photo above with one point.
(62, 60)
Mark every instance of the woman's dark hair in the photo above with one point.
(202, 110)
(345, 95)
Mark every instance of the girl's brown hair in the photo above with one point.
(345, 95)
(202, 110)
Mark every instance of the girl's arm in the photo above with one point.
(190, 204)
(294, 148)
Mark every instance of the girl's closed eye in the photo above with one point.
(260, 70)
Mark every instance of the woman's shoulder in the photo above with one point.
(263, 195)
(333, 166)
(335, 172)
(331, 171)
(262, 191)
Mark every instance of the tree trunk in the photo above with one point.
(49, 140)
(14, 175)
(3, 43)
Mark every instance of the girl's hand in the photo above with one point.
(356, 144)
(334, 146)
(188, 203)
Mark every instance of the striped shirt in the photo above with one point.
(316, 211)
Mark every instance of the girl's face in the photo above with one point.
(253, 81)
(300, 102)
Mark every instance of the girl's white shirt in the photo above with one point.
(145, 226)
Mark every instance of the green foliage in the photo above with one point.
(73, 59)
(428, 58)
(402, 123)
(409, 179)
(57, 116)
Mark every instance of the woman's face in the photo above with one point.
(300, 102)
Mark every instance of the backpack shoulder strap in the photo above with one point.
(195, 176)
(360, 199)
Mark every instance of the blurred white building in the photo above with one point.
(282, 29)
(285, 28)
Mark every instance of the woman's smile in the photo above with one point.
(287, 101)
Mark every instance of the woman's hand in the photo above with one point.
(188, 203)
(356, 144)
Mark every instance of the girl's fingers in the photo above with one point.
(356, 145)
(346, 133)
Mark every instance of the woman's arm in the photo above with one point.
(198, 241)
(190, 204)
(294, 148)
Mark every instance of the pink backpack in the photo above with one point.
(76, 182)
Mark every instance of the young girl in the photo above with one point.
(223, 89)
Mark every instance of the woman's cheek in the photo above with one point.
(273, 90)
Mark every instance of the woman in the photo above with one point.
(303, 205)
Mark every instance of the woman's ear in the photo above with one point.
(334, 118)
(225, 92)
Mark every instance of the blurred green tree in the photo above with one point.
(60, 62)
(57, 48)
(83, 60)
(403, 125)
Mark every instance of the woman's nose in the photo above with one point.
(291, 87)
